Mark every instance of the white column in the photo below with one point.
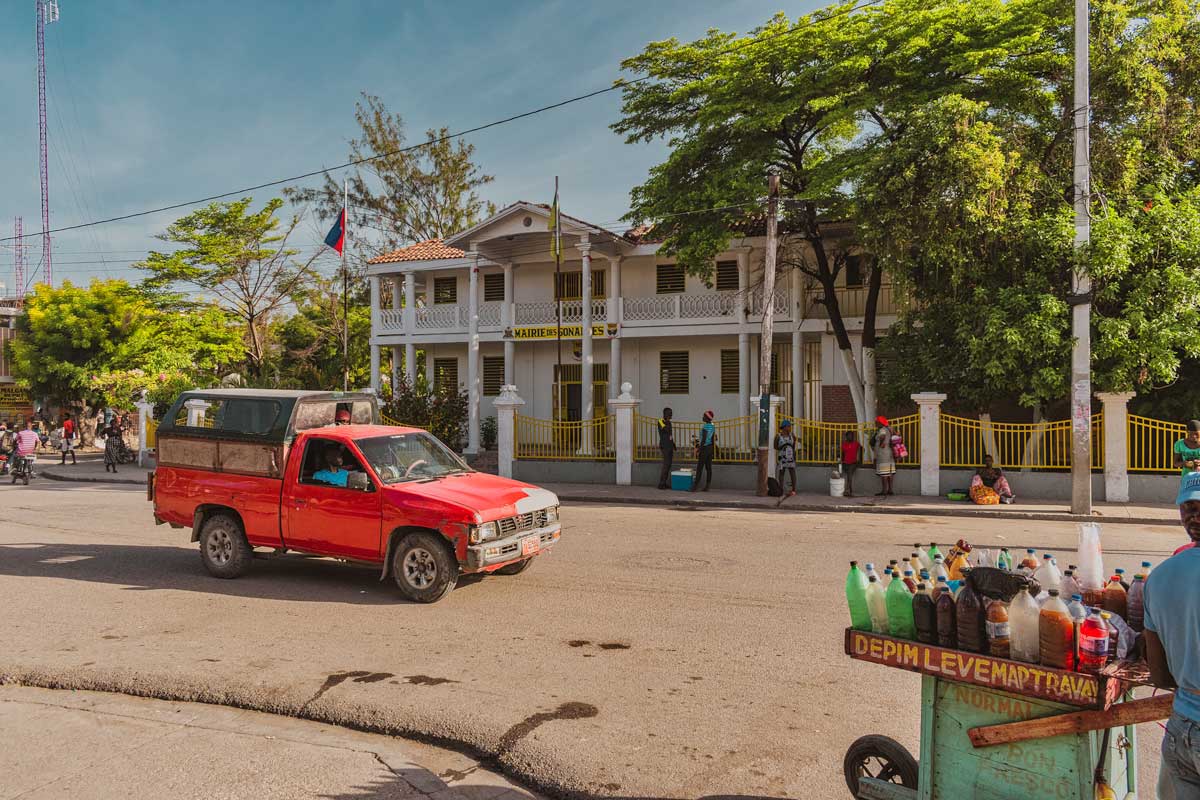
(585, 366)
(506, 322)
(929, 405)
(410, 327)
(473, 355)
(145, 411)
(374, 383)
(375, 329)
(1116, 445)
(506, 427)
(624, 406)
(614, 318)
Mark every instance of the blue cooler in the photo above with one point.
(681, 480)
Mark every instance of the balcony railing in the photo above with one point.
(852, 301)
(391, 320)
(545, 313)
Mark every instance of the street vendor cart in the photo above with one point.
(1002, 730)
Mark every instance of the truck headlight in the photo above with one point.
(552, 514)
(481, 533)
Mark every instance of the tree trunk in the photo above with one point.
(869, 340)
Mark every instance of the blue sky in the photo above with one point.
(157, 103)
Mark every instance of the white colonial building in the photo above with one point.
(480, 306)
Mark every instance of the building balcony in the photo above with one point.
(852, 301)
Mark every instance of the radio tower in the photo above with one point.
(47, 12)
(18, 258)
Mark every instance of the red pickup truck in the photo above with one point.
(248, 469)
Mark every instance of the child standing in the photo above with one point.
(785, 459)
(851, 457)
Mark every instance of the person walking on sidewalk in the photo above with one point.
(785, 456)
(112, 446)
(68, 439)
(706, 444)
(666, 446)
(885, 460)
(851, 458)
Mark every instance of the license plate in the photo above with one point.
(530, 545)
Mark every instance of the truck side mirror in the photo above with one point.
(359, 481)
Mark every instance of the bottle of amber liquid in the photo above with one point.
(1056, 634)
(998, 631)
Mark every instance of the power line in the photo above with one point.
(618, 84)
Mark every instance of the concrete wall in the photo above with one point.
(565, 471)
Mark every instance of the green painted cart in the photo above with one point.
(994, 729)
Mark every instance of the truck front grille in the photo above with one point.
(522, 522)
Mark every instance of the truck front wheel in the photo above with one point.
(423, 568)
(223, 547)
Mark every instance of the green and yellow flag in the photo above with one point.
(552, 223)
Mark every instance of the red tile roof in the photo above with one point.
(430, 250)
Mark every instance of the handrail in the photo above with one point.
(565, 440)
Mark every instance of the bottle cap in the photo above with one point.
(942, 579)
(1069, 572)
(1119, 571)
(872, 579)
(1045, 555)
(1054, 592)
(1145, 563)
(854, 563)
(908, 572)
(1077, 597)
(1105, 615)
(1029, 550)
(870, 564)
(921, 586)
(1139, 577)
(1072, 567)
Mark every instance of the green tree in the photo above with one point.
(239, 257)
(310, 341)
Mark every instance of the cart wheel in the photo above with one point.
(879, 757)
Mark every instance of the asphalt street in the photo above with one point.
(667, 653)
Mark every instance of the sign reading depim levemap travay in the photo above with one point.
(551, 332)
(1072, 688)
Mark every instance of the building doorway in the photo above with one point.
(568, 392)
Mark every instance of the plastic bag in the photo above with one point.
(1090, 560)
(1000, 584)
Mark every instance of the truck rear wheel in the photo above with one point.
(423, 568)
(223, 547)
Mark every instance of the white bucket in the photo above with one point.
(837, 486)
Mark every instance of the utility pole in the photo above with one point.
(768, 323)
(18, 258)
(1081, 282)
(47, 12)
(346, 288)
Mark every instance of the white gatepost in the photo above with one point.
(1116, 445)
(145, 413)
(195, 412)
(506, 405)
(929, 405)
(624, 406)
(772, 429)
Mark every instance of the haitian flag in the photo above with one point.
(337, 234)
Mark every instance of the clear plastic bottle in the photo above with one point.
(1047, 574)
(939, 567)
(1135, 603)
(856, 598)
(1004, 560)
(914, 561)
(1056, 634)
(1116, 600)
(1029, 563)
(877, 606)
(947, 617)
(1121, 577)
(926, 561)
(924, 577)
(972, 620)
(1078, 612)
(924, 615)
(1146, 567)
(870, 572)
(1093, 643)
(1068, 586)
(999, 632)
(1023, 625)
(900, 611)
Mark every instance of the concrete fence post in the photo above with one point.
(145, 411)
(506, 427)
(624, 406)
(1116, 445)
(195, 412)
(929, 405)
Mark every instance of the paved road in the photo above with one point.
(86, 745)
(656, 653)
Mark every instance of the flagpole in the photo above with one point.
(345, 286)
(558, 295)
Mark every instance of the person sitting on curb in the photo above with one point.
(989, 486)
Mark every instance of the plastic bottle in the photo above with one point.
(1004, 560)
(1146, 567)
(938, 587)
(926, 561)
(957, 560)
(1121, 577)
(1068, 586)
(893, 567)
(877, 606)
(1029, 563)
(1056, 634)
(984, 557)
(910, 582)
(1093, 643)
(1112, 634)
(1047, 574)
(914, 561)
(1078, 612)
(1135, 603)
(900, 611)
(924, 615)
(947, 618)
(924, 577)
(1090, 574)
(871, 571)
(1116, 600)
(1023, 624)
(999, 631)
(856, 598)
(933, 551)
(939, 567)
(972, 620)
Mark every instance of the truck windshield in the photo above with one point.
(410, 457)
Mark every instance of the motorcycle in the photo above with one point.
(22, 468)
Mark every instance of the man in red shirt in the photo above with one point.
(851, 457)
(68, 445)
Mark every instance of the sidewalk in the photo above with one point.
(90, 469)
(1050, 510)
(113, 745)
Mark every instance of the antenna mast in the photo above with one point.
(47, 12)
(19, 257)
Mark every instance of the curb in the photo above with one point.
(1030, 516)
(49, 475)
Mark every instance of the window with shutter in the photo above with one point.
(854, 272)
(445, 291)
(445, 375)
(727, 276)
(493, 375)
(570, 285)
(670, 279)
(729, 371)
(493, 287)
(673, 372)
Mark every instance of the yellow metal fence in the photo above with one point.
(1151, 444)
(736, 439)
(821, 442)
(591, 440)
(1014, 445)
(151, 434)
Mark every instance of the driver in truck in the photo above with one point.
(333, 474)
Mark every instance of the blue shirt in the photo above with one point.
(338, 478)
(708, 432)
(1172, 603)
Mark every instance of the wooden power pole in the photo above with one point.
(768, 324)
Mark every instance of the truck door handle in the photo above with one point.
(299, 503)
